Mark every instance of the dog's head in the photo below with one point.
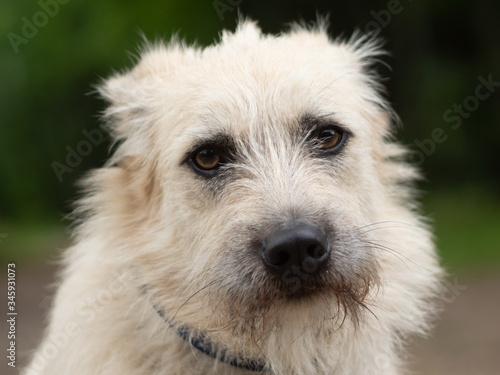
(252, 177)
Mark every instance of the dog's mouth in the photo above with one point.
(348, 289)
(332, 296)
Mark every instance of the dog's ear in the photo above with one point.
(140, 178)
(133, 98)
(133, 93)
(367, 56)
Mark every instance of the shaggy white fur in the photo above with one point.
(155, 234)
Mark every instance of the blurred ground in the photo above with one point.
(32, 302)
(466, 340)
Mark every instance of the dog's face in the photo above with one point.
(254, 170)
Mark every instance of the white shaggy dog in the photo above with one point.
(256, 217)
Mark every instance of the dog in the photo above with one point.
(257, 216)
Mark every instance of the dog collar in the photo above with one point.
(199, 341)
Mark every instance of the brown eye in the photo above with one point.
(329, 138)
(207, 159)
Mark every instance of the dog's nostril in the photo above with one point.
(316, 251)
(279, 258)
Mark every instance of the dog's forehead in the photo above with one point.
(262, 98)
(268, 86)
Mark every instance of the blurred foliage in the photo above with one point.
(466, 224)
(439, 49)
(32, 242)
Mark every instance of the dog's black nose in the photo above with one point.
(302, 247)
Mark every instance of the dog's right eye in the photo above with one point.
(329, 140)
(208, 159)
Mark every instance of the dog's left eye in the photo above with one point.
(208, 159)
(329, 139)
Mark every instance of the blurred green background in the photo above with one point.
(52, 53)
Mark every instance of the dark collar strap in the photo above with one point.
(199, 341)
